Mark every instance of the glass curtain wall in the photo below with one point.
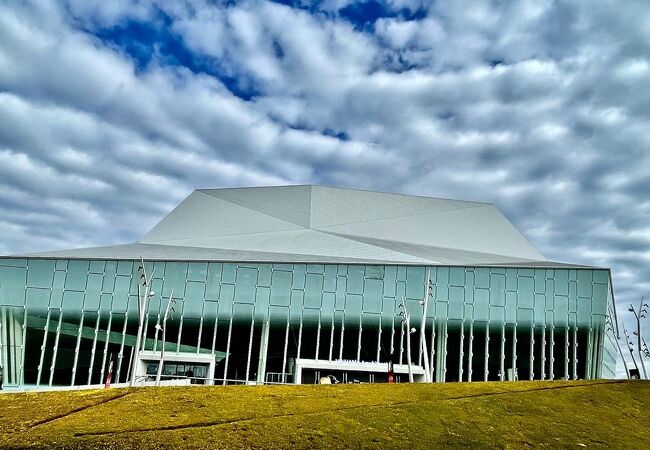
(65, 322)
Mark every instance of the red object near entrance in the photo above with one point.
(109, 375)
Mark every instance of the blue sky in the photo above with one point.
(112, 112)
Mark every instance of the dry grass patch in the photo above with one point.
(481, 415)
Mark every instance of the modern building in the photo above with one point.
(289, 284)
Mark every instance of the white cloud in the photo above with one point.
(541, 107)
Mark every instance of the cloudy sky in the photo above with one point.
(112, 112)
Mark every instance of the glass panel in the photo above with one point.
(390, 279)
(194, 299)
(481, 304)
(97, 267)
(197, 271)
(584, 283)
(93, 292)
(353, 307)
(457, 276)
(227, 295)
(415, 282)
(77, 274)
(497, 289)
(245, 288)
(562, 282)
(525, 292)
(299, 276)
(315, 268)
(73, 301)
(329, 283)
(109, 276)
(482, 277)
(280, 288)
(40, 273)
(175, 274)
(375, 272)
(313, 290)
(264, 275)
(262, 298)
(13, 285)
(126, 268)
(213, 281)
(456, 302)
(540, 281)
(372, 296)
(37, 300)
(355, 280)
(121, 294)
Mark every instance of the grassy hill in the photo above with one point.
(584, 414)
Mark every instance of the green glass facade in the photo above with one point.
(63, 321)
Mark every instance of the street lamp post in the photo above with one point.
(610, 327)
(143, 297)
(638, 333)
(630, 347)
(168, 309)
(406, 319)
(423, 340)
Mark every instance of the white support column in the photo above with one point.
(514, 353)
(551, 368)
(502, 359)
(144, 330)
(342, 335)
(120, 355)
(359, 340)
(198, 340)
(444, 352)
(180, 333)
(392, 336)
(575, 352)
(13, 375)
(250, 347)
(566, 352)
(4, 346)
(21, 377)
(299, 338)
(157, 332)
(264, 348)
(76, 350)
(214, 333)
(461, 355)
(104, 356)
(92, 353)
(56, 348)
(532, 352)
(377, 358)
(470, 349)
(43, 347)
(433, 350)
(225, 368)
(601, 349)
(284, 355)
(487, 352)
(401, 344)
(331, 338)
(318, 329)
(589, 351)
(543, 354)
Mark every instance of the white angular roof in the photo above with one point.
(323, 224)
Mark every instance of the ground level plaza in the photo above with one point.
(64, 321)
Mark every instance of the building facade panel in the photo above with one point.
(65, 322)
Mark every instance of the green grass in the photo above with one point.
(479, 415)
